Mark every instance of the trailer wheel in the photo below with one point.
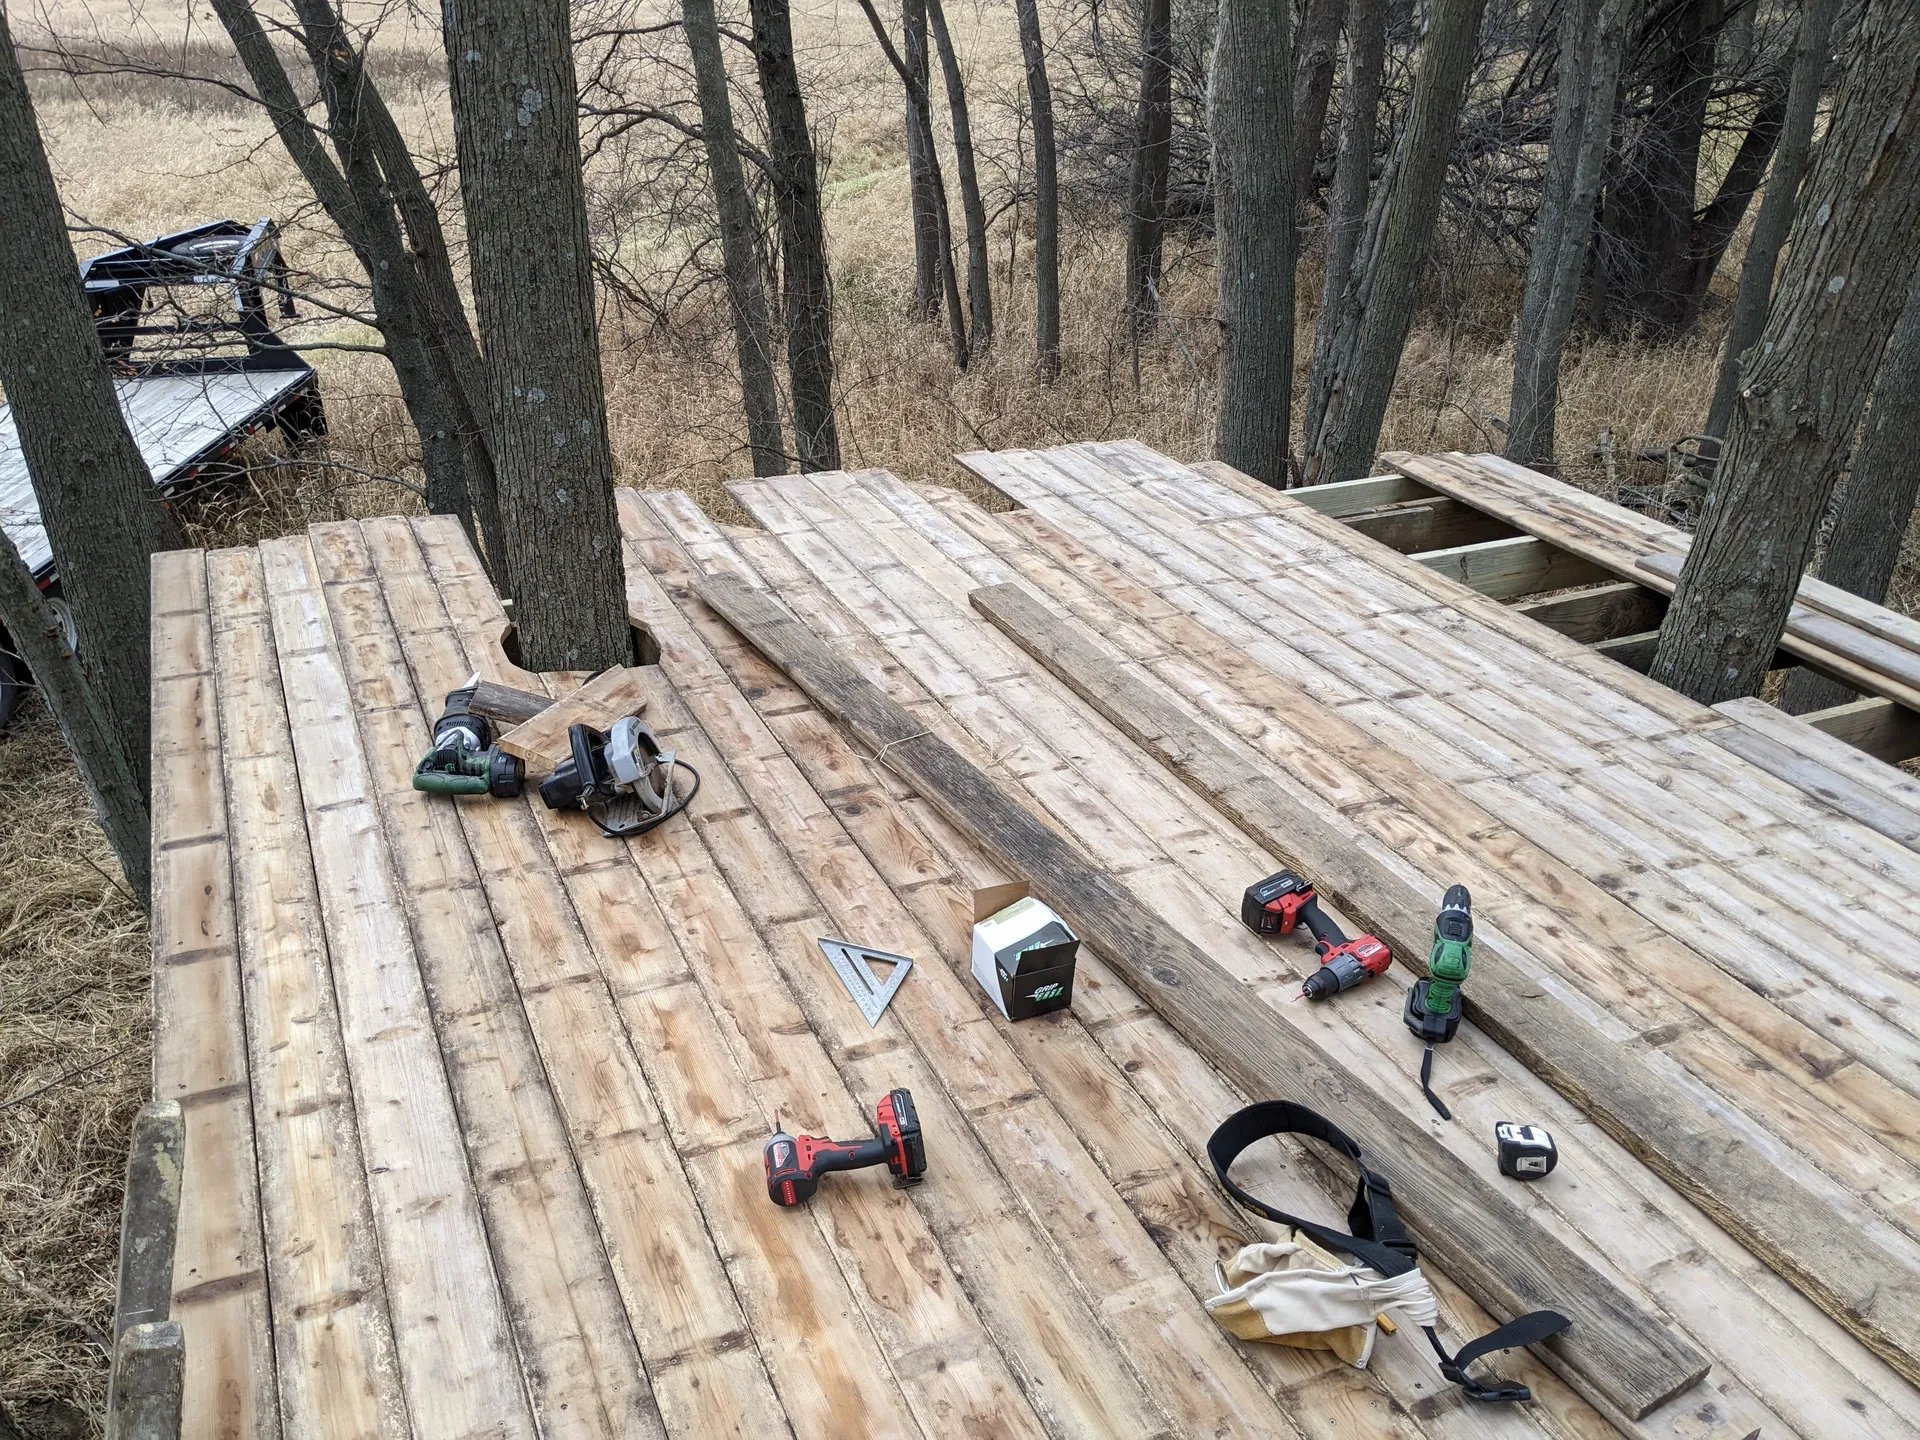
(64, 613)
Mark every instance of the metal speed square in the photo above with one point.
(854, 965)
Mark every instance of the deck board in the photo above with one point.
(476, 1097)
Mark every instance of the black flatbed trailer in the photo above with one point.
(193, 386)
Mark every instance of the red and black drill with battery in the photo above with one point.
(1278, 903)
(795, 1163)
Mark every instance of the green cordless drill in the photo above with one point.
(464, 760)
(1433, 1004)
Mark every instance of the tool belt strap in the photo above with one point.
(1378, 1239)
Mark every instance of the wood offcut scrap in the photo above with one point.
(540, 739)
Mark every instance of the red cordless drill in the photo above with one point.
(1279, 902)
(795, 1163)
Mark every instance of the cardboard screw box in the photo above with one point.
(1023, 953)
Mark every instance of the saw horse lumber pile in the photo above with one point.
(475, 1098)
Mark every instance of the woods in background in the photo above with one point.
(1588, 164)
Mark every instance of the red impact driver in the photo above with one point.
(1279, 902)
(795, 1163)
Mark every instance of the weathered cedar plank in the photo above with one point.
(450, 1328)
(333, 1342)
(1503, 569)
(1837, 774)
(1873, 725)
(200, 1042)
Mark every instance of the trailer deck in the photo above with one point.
(178, 422)
(476, 1098)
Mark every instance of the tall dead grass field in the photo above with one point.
(137, 155)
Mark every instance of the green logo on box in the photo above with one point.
(1051, 991)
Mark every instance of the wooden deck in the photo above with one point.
(476, 1098)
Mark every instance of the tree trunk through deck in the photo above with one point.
(1315, 49)
(510, 64)
(1592, 35)
(1046, 196)
(1250, 111)
(1849, 272)
(1776, 210)
(1147, 187)
(803, 241)
(1352, 392)
(746, 286)
(1877, 505)
(979, 267)
(96, 496)
(1352, 179)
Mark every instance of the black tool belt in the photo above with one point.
(1379, 1241)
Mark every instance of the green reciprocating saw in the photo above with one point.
(464, 760)
(1433, 1004)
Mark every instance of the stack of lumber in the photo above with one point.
(475, 1098)
(1864, 645)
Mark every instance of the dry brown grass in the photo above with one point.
(74, 1066)
(143, 156)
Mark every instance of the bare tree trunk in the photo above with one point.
(510, 63)
(1250, 110)
(1315, 50)
(1592, 35)
(99, 749)
(746, 292)
(399, 303)
(426, 341)
(1849, 272)
(451, 341)
(1716, 224)
(927, 260)
(1776, 210)
(803, 241)
(1877, 505)
(1352, 178)
(922, 104)
(1643, 266)
(96, 495)
(1147, 189)
(979, 266)
(1377, 308)
(1046, 196)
